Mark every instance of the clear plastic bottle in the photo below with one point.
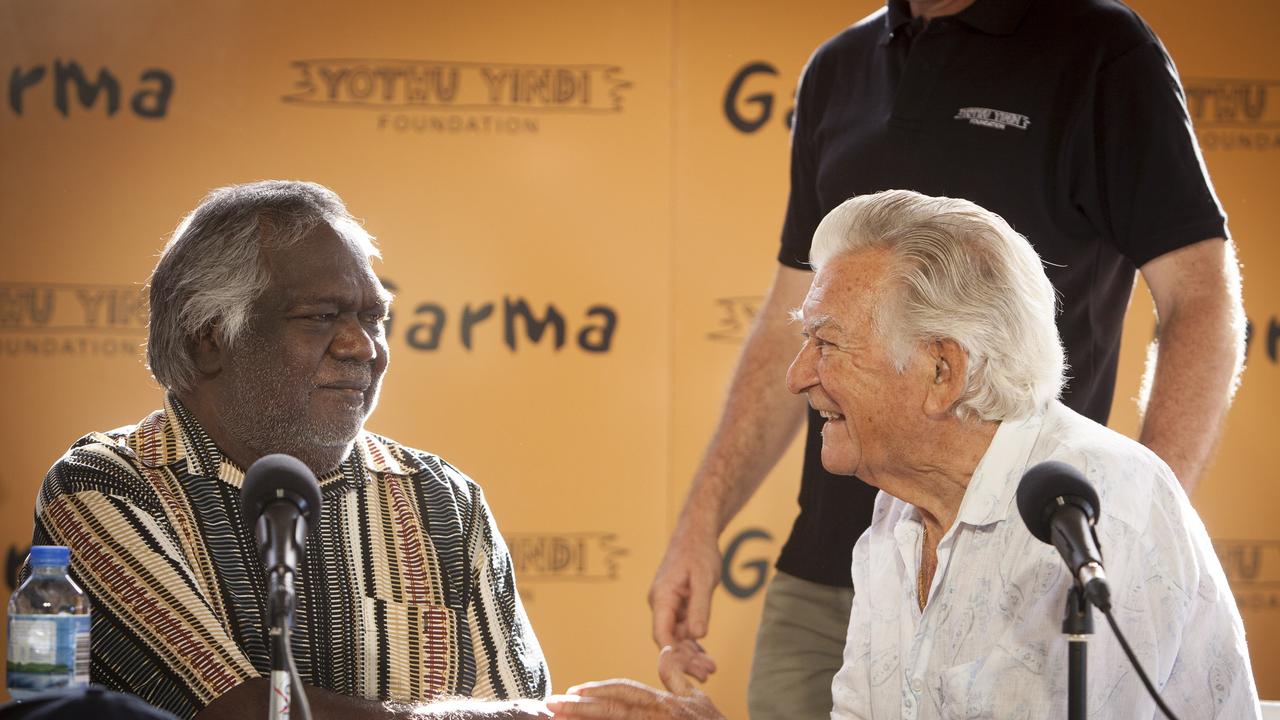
(48, 627)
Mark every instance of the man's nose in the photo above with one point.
(353, 340)
(802, 375)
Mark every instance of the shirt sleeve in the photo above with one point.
(509, 660)
(155, 632)
(1171, 599)
(804, 210)
(1153, 190)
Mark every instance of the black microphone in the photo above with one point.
(1060, 507)
(280, 499)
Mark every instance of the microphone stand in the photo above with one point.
(1077, 625)
(280, 603)
(282, 554)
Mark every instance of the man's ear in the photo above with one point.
(208, 352)
(950, 370)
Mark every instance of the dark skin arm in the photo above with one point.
(249, 699)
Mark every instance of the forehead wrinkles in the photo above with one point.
(839, 303)
(320, 268)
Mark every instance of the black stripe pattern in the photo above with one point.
(406, 591)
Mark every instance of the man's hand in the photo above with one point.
(467, 709)
(677, 662)
(629, 700)
(680, 595)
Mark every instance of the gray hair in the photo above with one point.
(211, 271)
(958, 271)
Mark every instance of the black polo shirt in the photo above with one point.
(1066, 117)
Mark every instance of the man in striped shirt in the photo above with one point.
(266, 329)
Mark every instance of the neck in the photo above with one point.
(938, 472)
(929, 9)
(203, 407)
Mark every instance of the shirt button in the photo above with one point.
(917, 685)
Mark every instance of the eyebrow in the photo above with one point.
(817, 323)
(384, 298)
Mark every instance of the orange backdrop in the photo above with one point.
(615, 169)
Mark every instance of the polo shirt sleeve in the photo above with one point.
(155, 632)
(509, 660)
(1153, 191)
(804, 210)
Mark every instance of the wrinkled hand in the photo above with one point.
(677, 662)
(680, 595)
(630, 700)
(463, 707)
(529, 710)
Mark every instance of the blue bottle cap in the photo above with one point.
(49, 555)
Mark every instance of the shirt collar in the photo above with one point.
(995, 481)
(994, 17)
(176, 436)
(899, 14)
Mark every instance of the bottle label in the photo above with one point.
(46, 652)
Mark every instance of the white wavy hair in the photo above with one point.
(958, 271)
(211, 271)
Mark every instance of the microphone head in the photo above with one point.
(1041, 489)
(279, 477)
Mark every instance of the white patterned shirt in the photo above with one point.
(989, 644)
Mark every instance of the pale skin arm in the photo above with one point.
(759, 420)
(249, 699)
(1199, 354)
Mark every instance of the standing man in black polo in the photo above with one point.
(1067, 118)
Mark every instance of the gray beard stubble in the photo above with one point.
(267, 409)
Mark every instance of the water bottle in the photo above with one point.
(48, 627)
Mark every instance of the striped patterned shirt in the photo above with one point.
(406, 591)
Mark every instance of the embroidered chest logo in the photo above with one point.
(998, 119)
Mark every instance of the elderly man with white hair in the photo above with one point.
(267, 332)
(931, 351)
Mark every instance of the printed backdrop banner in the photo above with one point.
(578, 205)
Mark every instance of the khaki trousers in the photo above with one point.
(799, 648)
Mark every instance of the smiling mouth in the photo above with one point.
(352, 389)
(830, 416)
